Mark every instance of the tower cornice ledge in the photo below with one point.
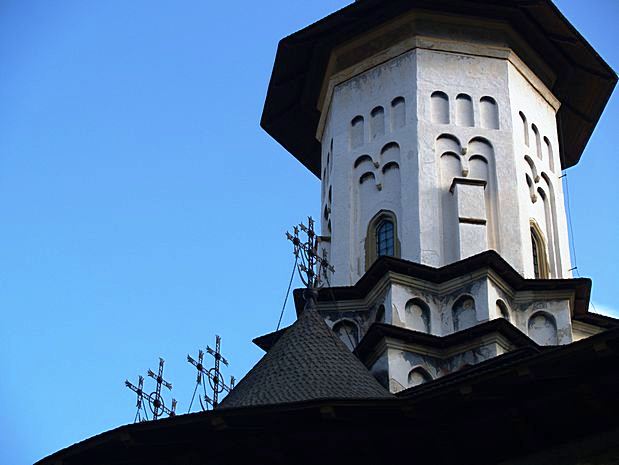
(580, 287)
(499, 330)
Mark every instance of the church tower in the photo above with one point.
(440, 131)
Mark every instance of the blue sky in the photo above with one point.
(143, 210)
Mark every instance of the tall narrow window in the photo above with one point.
(536, 267)
(385, 240)
(540, 263)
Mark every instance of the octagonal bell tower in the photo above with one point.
(453, 147)
(439, 131)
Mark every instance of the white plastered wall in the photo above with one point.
(417, 190)
(540, 112)
(387, 187)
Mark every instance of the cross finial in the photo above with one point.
(313, 267)
(154, 399)
(139, 390)
(215, 379)
(156, 402)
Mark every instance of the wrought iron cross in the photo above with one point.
(213, 375)
(139, 390)
(312, 267)
(155, 399)
(215, 379)
(199, 379)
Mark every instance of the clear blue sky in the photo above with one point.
(143, 210)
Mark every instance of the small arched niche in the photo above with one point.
(478, 168)
(501, 310)
(390, 152)
(543, 329)
(398, 113)
(356, 132)
(364, 159)
(538, 142)
(447, 143)
(418, 376)
(533, 167)
(550, 153)
(369, 176)
(448, 150)
(532, 193)
(392, 165)
(377, 122)
(439, 108)
(380, 314)
(348, 333)
(464, 111)
(464, 314)
(489, 113)
(417, 315)
(525, 128)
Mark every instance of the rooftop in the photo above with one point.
(307, 362)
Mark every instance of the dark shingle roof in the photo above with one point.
(308, 362)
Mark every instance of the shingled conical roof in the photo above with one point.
(308, 362)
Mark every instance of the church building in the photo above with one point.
(450, 328)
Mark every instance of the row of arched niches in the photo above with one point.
(541, 326)
(440, 109)
(381, 122)
(464, 112)
(539, 167)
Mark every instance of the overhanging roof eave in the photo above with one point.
(304, 55)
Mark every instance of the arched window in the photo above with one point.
(538, 249)
(347, 332)
(382, 238)
(385, 238)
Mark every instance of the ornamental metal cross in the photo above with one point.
(313, 267)
(139, 390)
(214, 376)
(155, 399)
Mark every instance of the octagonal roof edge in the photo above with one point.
(584, 80)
